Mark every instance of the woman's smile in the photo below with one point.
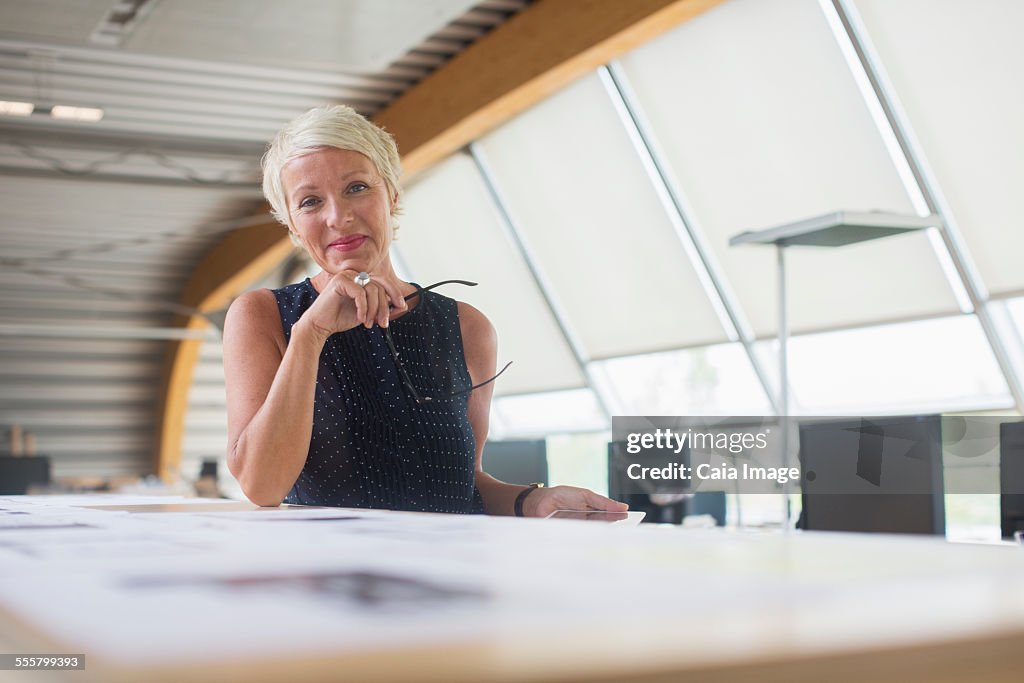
(350, 243)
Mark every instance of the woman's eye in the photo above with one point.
(358, 187)
(308, 202)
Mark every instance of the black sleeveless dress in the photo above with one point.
(372, 445)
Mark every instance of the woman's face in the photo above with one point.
(340, 210)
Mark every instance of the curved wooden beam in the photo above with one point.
(241, 258)
(535, 53)
(538, 51)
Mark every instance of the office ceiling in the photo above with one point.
(102, 222)
(350, 35)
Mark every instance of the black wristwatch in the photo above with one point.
(518, 507)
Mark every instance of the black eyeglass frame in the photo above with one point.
(404, 374)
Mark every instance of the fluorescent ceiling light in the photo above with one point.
(16, 108)
(62, 111)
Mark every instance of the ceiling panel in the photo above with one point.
(436, 243)
(762, 125)
(956, 68)
(365, 35)
(54, 20)
(348, 34)
(576, 187)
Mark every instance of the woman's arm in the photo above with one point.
(480, 347)
(270, 389)
(271, 385)
(480, 344)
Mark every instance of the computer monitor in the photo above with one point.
(18, 473)
(873, 474)
(1011, 477)
(517, 462)
(711, 503)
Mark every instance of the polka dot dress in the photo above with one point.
(372, 444)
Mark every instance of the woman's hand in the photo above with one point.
(543, 501)
(343, 304)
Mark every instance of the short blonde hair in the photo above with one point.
(335, 125)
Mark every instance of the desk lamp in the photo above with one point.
(835, 229)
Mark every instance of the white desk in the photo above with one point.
(271, 595)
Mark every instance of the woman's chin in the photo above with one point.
(358, 265)
(333, 266)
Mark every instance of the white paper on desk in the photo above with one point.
(294, 513)
(15, 517)
(381, 580)
(177, 616)
(77, 499)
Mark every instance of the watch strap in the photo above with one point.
(521, 498)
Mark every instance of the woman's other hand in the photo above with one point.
(543, 501)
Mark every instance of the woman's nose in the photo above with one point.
(338, 213)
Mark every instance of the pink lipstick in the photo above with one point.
(349, 243)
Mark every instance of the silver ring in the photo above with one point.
(362, 279)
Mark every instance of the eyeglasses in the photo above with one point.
(404, 374)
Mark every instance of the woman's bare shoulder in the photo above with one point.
(254, 314)
(256, 302)
(479, 341)
(475, 325)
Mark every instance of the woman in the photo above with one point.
(354, 388)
